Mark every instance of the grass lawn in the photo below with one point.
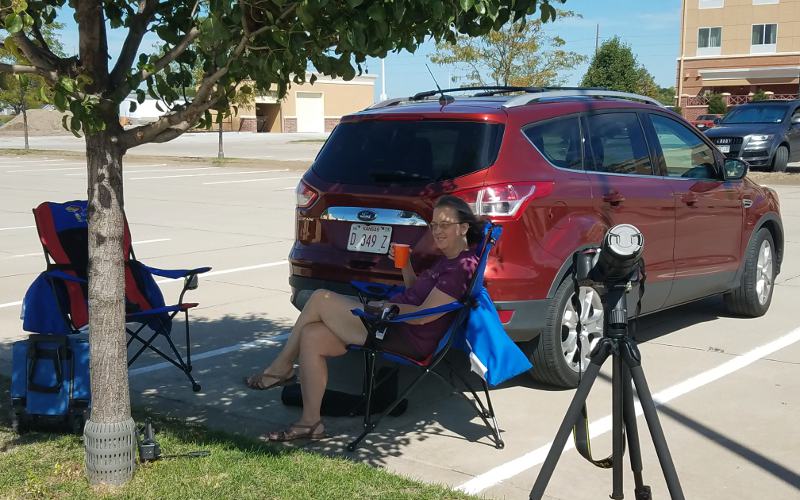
(45, 465)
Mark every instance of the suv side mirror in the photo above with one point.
(796, 120)
(734, 169)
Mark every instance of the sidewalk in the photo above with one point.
(283, 147)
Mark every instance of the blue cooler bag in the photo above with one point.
(50, 381)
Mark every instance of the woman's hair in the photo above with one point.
(465, 216)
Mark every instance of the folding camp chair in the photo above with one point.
(63, 231)
(453, 336)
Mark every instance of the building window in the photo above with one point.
(711, 4)
(709, 41)
(764, 39)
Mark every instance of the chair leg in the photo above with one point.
(480, 409)
(369, 382)
(183, 367)
(188, 343)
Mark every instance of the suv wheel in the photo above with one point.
(780, 159)
(560, 354)
(754, 294)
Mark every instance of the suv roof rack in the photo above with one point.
(530, 95)
(578, 92)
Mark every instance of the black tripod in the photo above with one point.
(627, 366)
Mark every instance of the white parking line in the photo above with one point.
(14, 163)
(205, 175)
(242, 346)
(599, 427)
(17, 227)
(250, 180)
(44, 170)
(158, 170)
(206, 275)
(39, 253)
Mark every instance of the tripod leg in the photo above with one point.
(617, 429)
(656, 432)
(632, 433)
(602, 352)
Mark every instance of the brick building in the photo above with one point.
(737, 48)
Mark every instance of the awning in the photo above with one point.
(760, 73)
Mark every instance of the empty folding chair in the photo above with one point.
(63, 231)
(472, 330)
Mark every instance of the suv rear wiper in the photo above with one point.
(397, 176)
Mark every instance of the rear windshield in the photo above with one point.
(754, 113)
(407, 152)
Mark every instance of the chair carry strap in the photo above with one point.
(55, 355)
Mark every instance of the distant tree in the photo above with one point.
(24, 92)
(615, 67)
(759, 96)
(716, 105)
(518, 54)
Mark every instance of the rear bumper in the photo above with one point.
(526, 323)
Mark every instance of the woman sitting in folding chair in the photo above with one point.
(326, 326)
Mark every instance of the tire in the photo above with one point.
(754, 294)
(554, 353)
(780, 159)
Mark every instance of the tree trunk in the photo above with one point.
(25, 126)
(111, 411)
(220, 152)
(24, 111)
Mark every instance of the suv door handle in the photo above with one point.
(614, 198)
(690, 199)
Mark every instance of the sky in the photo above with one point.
(651, 28)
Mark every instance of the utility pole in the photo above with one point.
(383, 79)
(597, 39)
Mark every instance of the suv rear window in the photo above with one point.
(402, 151)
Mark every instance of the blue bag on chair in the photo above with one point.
(492, 354)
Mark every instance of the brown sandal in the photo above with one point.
(256, 382)
(291, 433)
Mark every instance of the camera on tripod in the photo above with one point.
(616, 262)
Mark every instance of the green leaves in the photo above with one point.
(13, 23)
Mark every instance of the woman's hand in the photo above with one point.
(391, 256)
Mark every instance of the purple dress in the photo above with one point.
(450, 276)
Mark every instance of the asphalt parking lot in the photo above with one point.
(729, 387)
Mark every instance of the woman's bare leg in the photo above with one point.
(333, 310)
(317, 344)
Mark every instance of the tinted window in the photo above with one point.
(755, 113)
(418, 151)
(685, 154)
(559, 141)
(618, 144)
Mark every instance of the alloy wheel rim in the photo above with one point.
(575, 348)
(764, 277)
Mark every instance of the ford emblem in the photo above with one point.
(367, 215)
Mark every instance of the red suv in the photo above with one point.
(556, 168)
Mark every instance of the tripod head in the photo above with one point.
(615, 263)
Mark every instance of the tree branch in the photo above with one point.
(130, 47)
(17, 69)
(39, 57)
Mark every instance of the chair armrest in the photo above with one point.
(176, 273)
(61, 275)
(376, 290)
(402, 318)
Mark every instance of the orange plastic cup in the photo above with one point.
(401, 253)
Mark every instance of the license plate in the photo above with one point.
(369, 238)
(724, 148)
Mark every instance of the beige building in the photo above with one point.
(737, 48)
(306, 107)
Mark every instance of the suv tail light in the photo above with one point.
(306, 196)
(505, 201)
